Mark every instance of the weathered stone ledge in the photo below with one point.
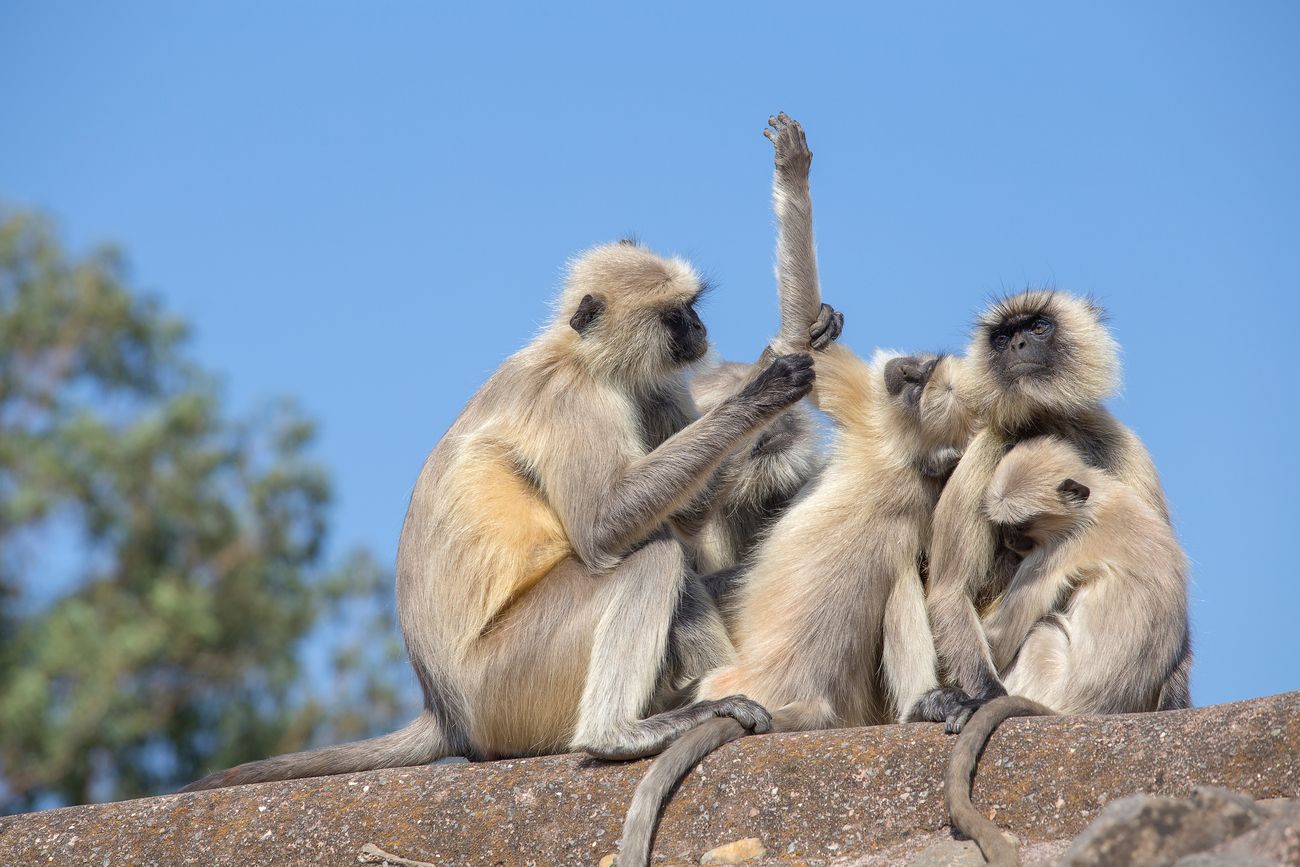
(857, 796)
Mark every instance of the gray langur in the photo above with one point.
(1094, 619)
(546, 602)
(1039, 364)
(829, 622)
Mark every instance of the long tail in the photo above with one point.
(997, 849)
(419, 742)
(665, 773)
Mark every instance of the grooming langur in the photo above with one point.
(830, 622)
(1040, 363)
(1095, 618)
(545, 601)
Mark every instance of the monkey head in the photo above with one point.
(1041, 488)
(1038, 352)
(923, 397)
(630, 314)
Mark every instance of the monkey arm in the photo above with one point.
(843, 388)
(796, 256)
(1035, 592)
(961, 556)
(907, 653)
(607, 510)
(655, 486)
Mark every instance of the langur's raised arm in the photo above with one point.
(796, 254)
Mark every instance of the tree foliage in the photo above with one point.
(160, 562)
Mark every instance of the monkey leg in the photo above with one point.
(631, 645)
(908, 658)
(1042, 671)
(528, 671)
(697, 643)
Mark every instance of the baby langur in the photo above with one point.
(546, 603)
(1094, 618)
(830, 623)
(1040, 363)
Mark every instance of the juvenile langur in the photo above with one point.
(1095, 617)
(1040, 363)
(545, 601)
(830, 622)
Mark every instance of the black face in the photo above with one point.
(686, 333)
(907, 377)
(1024, 346)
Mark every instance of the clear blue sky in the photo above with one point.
(367, 205)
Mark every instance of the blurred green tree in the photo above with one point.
(160, 563)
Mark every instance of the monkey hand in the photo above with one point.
(751, 715)
(827, 329)
(793, 158)
(782, 384)
(947, 705)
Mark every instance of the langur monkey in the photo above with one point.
(830, 622)
(545, 601)
(1039, 364)
(1095, 617)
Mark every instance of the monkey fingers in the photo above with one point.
(793, 158)
(947, 705)
(826, 329)
(749, 713)
(785, 381)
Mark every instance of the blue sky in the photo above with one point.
(368, 206)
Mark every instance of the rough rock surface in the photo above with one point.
(851, 797)
(1276, 841)
(1158, 831)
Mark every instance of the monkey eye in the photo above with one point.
(1042, 326)
(1000, 341)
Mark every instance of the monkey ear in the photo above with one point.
(1072, 490)
(588, 311)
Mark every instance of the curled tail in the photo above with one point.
(665, 773)
(997, 849)
(419, 742)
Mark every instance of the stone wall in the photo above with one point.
(846, 797)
